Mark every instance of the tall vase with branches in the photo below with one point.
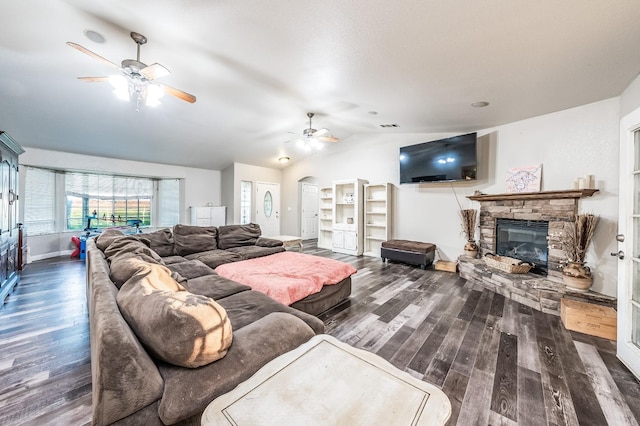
(575, 243)
(468, 217)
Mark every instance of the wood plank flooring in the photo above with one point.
(499, 362)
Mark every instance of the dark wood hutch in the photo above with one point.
(9, 184)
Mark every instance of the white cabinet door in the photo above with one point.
(350, 240)
(338, 239)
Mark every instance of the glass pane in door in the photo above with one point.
(635, 269)
(635, 325)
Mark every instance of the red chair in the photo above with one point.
(76, 241)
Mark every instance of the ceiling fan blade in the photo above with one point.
(94, 79)
(328, 139)
(93, 55)
(321, 132)
(178, 93)
(154, 71)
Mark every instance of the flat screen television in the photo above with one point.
(444, 160)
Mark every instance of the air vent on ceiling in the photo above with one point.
(390, 125)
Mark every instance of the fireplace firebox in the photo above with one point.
(525, 240)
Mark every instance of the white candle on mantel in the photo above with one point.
(589, 182)
(575, 183)
(580, 183)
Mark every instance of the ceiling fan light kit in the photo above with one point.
(312, 138)
(136, 79)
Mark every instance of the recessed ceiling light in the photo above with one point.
(284, 160)
(94, 36)
(480, 104)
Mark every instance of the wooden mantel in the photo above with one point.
(542, 195)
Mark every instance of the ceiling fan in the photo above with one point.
(312, 138)
(136, 79)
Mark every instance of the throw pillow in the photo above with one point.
(175, 325)
(193, 239)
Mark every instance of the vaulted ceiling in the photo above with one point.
(257, 67)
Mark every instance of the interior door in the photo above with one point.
(268, 208)
(309, 211)
(628, 346)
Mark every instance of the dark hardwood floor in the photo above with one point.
(499, 362)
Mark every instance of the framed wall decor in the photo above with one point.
(524, 179)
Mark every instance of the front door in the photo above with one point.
(629, 244)
(309, 202)
(268, 208)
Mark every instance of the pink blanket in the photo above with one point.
(287, 277)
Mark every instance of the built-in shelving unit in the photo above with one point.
(325, 219)
(377, 217)
(347, 216)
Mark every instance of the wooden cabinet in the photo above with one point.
(325, 219)
(9, 152)
(208, 216)
(22, 247)
(347, 216)
(377, 217)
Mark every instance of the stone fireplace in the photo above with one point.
(527, 226)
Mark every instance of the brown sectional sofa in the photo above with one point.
(132, 385)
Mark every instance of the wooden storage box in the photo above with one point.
(589, 318)
(443, 265)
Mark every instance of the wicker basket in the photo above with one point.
(507, 264)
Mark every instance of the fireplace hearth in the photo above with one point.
(526, 240)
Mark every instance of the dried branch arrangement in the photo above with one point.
(576, 241)
(468, 217)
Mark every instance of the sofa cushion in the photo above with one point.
(130, 244)
(215, 258)
(251, 252)
(214, 286)
(107, 237)
(161, 242)
(238, 235)
(193, 239)
(249, 306)
(269, 242)
(188, 392)
(177, 326)
(168, 260)
(124, 266)
(191, 269)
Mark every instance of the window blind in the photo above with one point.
(39, 201)
(168, 202)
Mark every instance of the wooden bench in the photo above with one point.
(412, 252)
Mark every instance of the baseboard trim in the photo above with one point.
(49, 255)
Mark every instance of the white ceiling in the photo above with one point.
(258, 66)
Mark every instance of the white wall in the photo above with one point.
(237, 172)
(568, 143)
(199, 186)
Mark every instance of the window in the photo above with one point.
(39, 201)
(246, 190)
(103, 201)
(57, 201)
(168, 202)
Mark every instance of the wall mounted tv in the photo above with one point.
(450, 159)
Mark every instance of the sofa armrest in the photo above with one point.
(268, 242)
